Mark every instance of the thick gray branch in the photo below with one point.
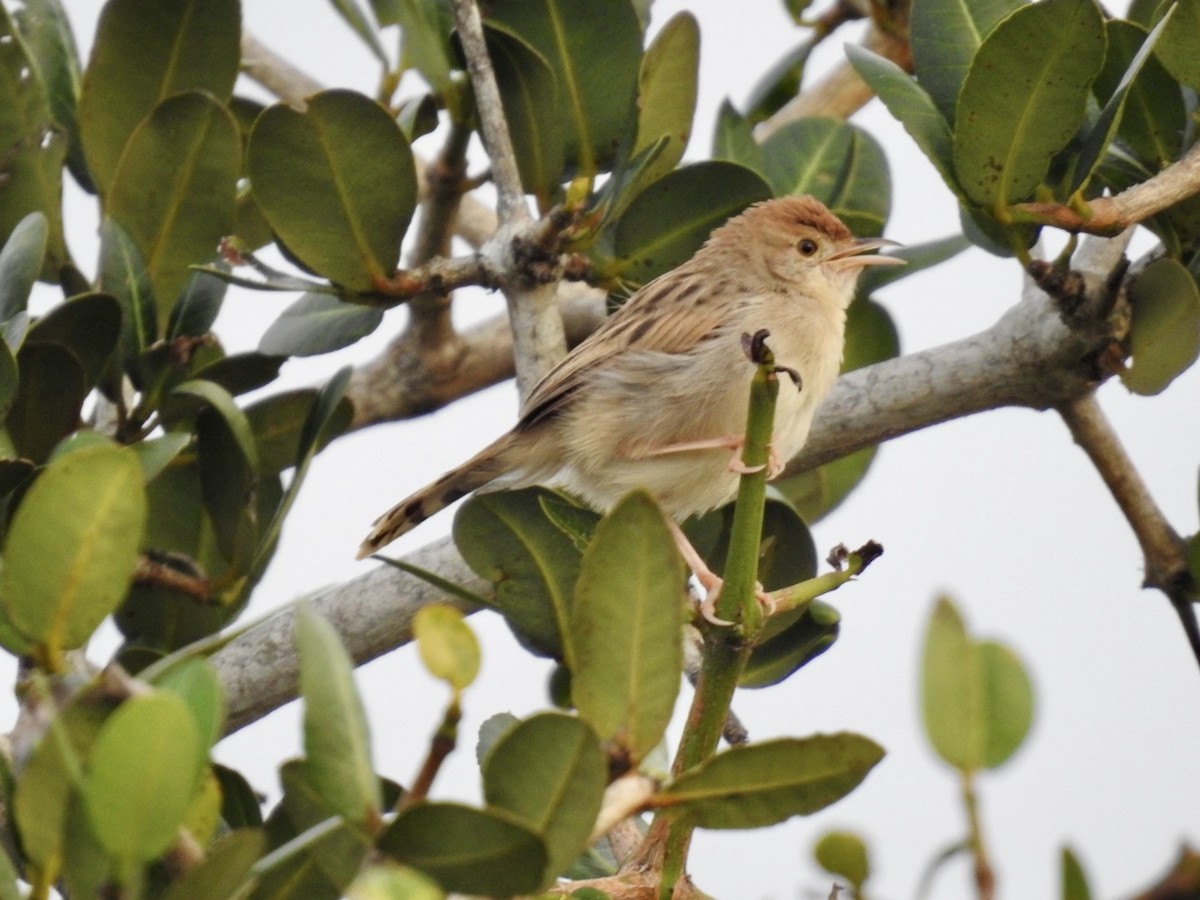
(1029, 358)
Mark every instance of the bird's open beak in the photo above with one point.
(858, 254)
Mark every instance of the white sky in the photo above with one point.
(1001, 510)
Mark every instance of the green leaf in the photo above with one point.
(918, 257)
(337, 747)
(527, 91)
(667, 86)
(239, 802)
(787, 553)
(224, 870)
(625, 625)
(945, 36)
(844, 853)
(277, 422)
(146, 51)
(198, 306)
(447, 646)
(196, 683)
(33, 148)
(672, 218)
(789, 643)
(88, 325)
(506, 538)
(388, 881)
(1095, 143)
(1179, 48)
(239, 373)
(47, 31)
(337, 183)
(123, 274)
(173, 190)
(1074, 879)
(594, 51)
(754, 785)
(911, 106)
(20, 262)
(781, 83)
(549, 772)
(425, 27)
(1024, 98)
(977, 701)
(839, 164)
(140, 776)
(1165, 327)
(361, 25)
(319, 323)
(733, 140)
(1154, 114)
(466, 850)
(49, 399)
(155, 454)
(72, 546)
(1009, 700)
(9, 381)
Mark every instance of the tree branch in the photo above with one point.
(1029, 358)
(1164, 550)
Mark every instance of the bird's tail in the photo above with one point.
(410, 512)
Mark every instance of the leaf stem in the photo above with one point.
(445, 739)
(985, 876)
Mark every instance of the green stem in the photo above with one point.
(985, 876)
(726, 649)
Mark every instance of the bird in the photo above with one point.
(657, 397)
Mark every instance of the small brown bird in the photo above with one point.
(658, 395)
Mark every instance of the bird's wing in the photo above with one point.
(671, 314)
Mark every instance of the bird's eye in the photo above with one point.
(807, 247)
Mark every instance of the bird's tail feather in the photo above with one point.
(410, 512)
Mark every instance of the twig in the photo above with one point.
(1109, 215)
(1164, 550)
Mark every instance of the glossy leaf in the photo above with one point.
(49, 399)
(1165, 327)
(1179, 49)
(918, 257)
(1095, 144)
(389, 881)
(754, 785)
(223, 871)
(319, 323)
(72, 545)
(173, 191)
(527, 91)
(946, 35)
(667, 86)
(625, 626)
(123, 275)
(144, 52)
(1024, 98)
(447, 646)
(594, 51)
(911, 106)
(843, 853)
(276, 422)
(337, 183)
(337, 751)
(672, 218)
(88, 325)
(549, 772)
(792, 642)
(839, 164)
(155, 454)
(141, 773)
(33, 148)
(787, 554)
(1154, 114)
(21, 260)
(9, 380)
(505, 538)
(780, 83)
(467, 850)
(47, 32)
